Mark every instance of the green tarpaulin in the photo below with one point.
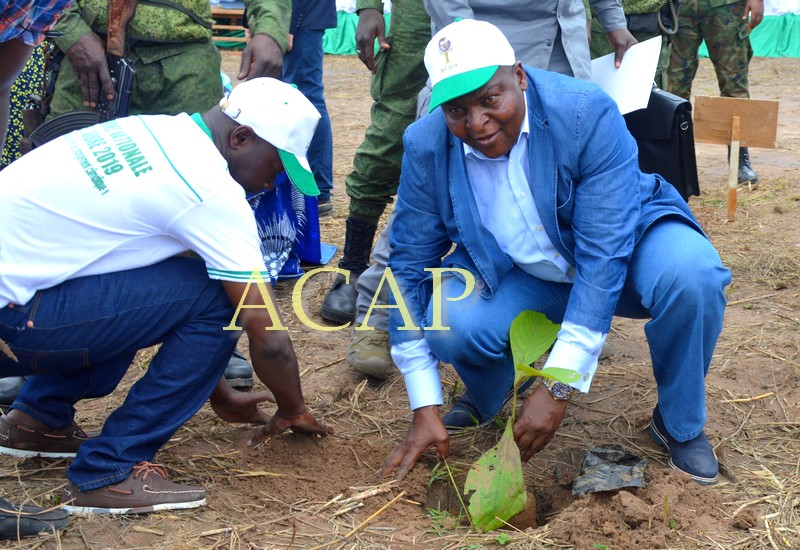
(776, 36)
(342, 39)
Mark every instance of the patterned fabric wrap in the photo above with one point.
(28, 20)
(28, 83)
(288, 228)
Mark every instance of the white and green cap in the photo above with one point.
(464, 56)
(281, 115)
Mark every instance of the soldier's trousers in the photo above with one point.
(170, 79)
(399, 77)
(728, 39)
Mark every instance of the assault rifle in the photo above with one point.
(122, 72)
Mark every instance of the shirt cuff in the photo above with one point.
(420, 369)
(578, 349)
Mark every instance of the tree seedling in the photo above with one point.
(495, 480)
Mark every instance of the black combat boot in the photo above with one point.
(746, 172)
(339, 305)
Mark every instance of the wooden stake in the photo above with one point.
(733, 168)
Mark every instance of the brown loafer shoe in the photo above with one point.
(23, 436)
(147, 489)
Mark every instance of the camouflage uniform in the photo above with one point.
(721, 24)
(399, 77)
(637, 10)
(177, 64)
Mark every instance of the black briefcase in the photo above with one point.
(665, 136)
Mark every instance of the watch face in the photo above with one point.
(558, 390)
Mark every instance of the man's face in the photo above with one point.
(490, 118)
(253, 162)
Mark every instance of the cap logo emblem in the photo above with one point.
(444, 47)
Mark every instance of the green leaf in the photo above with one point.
(531, 335)
(495, 480)
(554, 373)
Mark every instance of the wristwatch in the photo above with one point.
(558, 390)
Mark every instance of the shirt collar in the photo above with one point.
(470, 152)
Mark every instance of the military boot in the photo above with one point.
(369, 353)
(339, 305)
(746, 172)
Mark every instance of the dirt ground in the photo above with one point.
(293, 491)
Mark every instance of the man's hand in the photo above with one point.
(371, 25)
(239, 407)
(303, 423)
(538, 421)
(88, 57)
(755, 11)
(426, 429)
(621, 40)
(261, 57)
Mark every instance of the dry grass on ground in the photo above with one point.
(295, 492)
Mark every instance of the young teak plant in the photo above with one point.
(495, 480)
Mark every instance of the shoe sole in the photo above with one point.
(94, 510)
(23, 453)
(379, 373)
(240, 383)
(376, 369)
(336, 316)
(661, 441)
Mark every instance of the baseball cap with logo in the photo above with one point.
(282, 116)
(464, 56)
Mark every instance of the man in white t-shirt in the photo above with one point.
(92, 269)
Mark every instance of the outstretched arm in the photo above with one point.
(275, 364)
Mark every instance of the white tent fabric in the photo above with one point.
(781, 7)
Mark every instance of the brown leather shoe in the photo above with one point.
(23, 436)
(147, 489)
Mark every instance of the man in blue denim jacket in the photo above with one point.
(534, 177)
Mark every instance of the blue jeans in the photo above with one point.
(303, 67)
(78, 339)
(675, 278)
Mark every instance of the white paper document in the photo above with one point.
(629, 85)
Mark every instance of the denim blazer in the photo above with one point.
(593, 200)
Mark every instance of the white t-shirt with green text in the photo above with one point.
(121, 195)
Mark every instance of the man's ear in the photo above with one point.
(241, 136)
(520, 75)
